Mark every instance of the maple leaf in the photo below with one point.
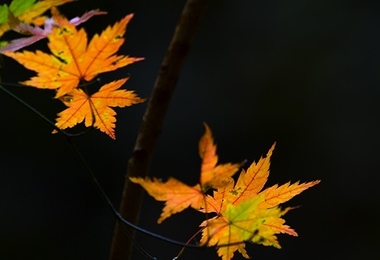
(27, 11)
(244, 222)
(213, 175)
(177, 195)
(245, 213)
(72, 60)
(249, 183)
(95, 109)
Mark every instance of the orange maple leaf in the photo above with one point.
(245, 213)
(213, 175)
(249, 183)
(95, 109)
(72, 60)
(177, 195)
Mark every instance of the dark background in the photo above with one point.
(301, 73)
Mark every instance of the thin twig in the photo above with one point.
(93, 180)
(153, 119)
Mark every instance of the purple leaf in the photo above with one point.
(39, 33)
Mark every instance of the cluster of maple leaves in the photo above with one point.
(242, 210)
(72, 63)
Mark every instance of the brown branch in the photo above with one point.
(150, 129)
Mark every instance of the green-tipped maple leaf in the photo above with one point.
(26, 11)
(72, 60)
(245, 213)
(96, 109)
(177, 195)
(36, 33)
(244, 222)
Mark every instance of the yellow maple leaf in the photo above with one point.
(72, 60)
(276, 195)
(95, 109)
(177, 195)
(243, 222)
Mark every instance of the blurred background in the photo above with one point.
(303, 74)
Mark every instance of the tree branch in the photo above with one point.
(153, 119)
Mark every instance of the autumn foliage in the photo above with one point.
(238, 208)
(74, 62)
(26, 11)
(243, 210)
